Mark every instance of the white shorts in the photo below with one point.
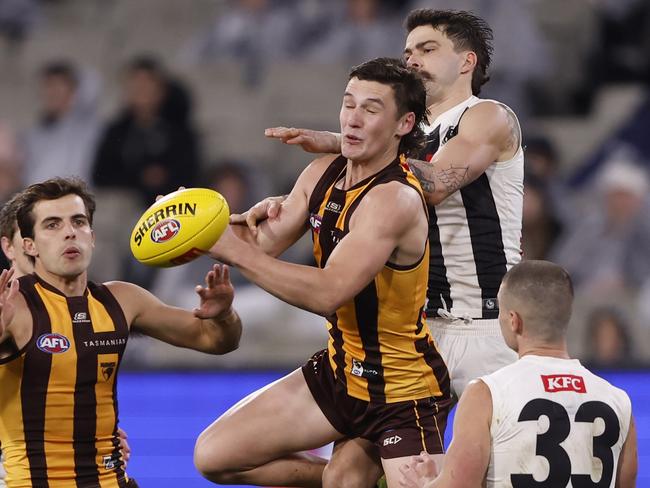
(470, 349)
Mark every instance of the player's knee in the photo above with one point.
(212, 461)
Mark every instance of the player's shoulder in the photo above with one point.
(399, 199)
(320, 164)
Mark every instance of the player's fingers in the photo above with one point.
(274, 209)
(251, 220)
(238, 219)
(226, 274)
(218, 274)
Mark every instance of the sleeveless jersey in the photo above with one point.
(555, 422)
(378, 344)
(58, 405)
(475, 233)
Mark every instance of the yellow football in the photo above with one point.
(179, 227)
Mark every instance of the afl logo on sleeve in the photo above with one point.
(53, 343)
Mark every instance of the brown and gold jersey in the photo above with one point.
(379, 345)
(58, 405)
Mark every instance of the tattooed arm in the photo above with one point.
(488, 133)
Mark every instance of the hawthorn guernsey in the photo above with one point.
(179, 227)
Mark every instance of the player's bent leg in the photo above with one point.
(355, 463)
(256, 441)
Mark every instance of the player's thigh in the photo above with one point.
(355, 463)
(391, 467)
(277, 420)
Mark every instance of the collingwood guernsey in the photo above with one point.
(474, 234)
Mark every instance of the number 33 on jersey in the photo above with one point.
(565, 428)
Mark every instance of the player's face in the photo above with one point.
(432, 54)
(370, 127)
(13, 249)
(63, 240)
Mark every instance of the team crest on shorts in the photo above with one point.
(53, 343)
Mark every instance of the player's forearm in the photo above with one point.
(335, 147)
(438, 183)
(223, 332)
(303, 286)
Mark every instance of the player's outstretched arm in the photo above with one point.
(214, 327)
(313, 141)
(380, 221)
(486, 132)
(274, 235)
(628, 460)
(467, 459)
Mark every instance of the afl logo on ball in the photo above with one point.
(165, 230)
(53, 343)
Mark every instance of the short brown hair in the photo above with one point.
(544, 293)
(467, 32)
(409, 91)
(51, 189)
(8, 225)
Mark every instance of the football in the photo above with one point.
(179, 227)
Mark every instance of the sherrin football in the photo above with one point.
(179, 227)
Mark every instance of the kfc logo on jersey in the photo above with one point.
(315, 221)
(165, 230)
(53, 343)
(554, 383)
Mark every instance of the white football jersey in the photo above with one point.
(475, 233)
(555, 424)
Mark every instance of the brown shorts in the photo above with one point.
(397, 429)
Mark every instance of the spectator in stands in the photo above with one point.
(63, 141)
(151, 146)
(249, 32)
(595, 250)
(358, 30)
(540, 225)
(17, 17)
(608, 340)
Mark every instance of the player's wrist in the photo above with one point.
(226, 316)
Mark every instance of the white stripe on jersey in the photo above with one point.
(475, 258)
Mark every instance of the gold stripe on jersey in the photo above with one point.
(11, 421)
(378, 346)
(59, 407)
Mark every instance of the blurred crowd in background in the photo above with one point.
(139, 97)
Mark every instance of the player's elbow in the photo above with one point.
(435, 197)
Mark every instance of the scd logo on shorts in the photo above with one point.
(53, 343)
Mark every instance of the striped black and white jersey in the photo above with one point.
(475, 233)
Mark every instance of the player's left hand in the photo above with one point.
(217, 294)
(419, 471)
(226, 247)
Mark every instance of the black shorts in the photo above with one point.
(397, 429)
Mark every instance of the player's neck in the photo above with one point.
(555, 350)
(360, 170)
(447, 101)
(69, 286)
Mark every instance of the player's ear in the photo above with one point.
(405, 124)
(29, 246)
(7, 248)
(469, 62)
(517, 323)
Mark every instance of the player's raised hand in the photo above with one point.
(8, 291)
(269, 208)
(217, 294)
(419, 471)
(313, 141)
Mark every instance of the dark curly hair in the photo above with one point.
(409, 90)
(465, 30)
